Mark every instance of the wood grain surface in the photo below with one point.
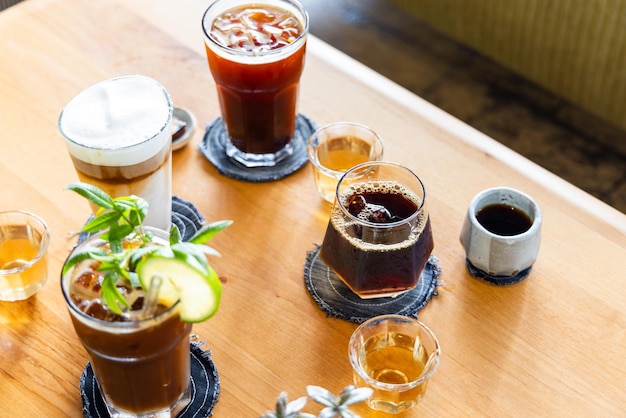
(552, 345)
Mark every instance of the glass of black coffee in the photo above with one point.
(378, 238)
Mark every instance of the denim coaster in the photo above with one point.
(337, 300)
(184, 215)
(497, 280)
(205, 388)
(213, 147)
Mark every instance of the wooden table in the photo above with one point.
(551, 345)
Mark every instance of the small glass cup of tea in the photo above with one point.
(395, 356)
(501, 235)
(24, 239)
(378, 238)
(255, 51)
(335, 148)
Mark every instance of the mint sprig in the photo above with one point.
(122, 219)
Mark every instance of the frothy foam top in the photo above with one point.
(118, 122)
(343, 222)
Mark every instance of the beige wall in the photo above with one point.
(575, 48)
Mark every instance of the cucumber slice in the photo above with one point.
(198, 290)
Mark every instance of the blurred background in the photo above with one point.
(546, 79)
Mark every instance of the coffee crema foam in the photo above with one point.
(115, 122)
(343, 222)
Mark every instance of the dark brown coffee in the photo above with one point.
(504, 219)
(372, 259)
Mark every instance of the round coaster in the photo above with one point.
(337, 300)
(185, 216)
(213, 148)
(497, 280)
(205, 388)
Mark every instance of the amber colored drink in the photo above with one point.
(335, 148)
(23, 257)
(337, 156)
(373, 250)
(395, 356)
(393, 359)
(142, 363)
(256, 56)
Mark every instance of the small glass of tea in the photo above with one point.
(501, 235)
(335, 148)
(24, 239)
(395, 356)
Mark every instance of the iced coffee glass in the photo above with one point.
(119, 136)
(255, 51)
(24, 240)
(141, 362)
(378, 238)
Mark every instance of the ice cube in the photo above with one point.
(356, 204)
(378, 214)
(259, 38)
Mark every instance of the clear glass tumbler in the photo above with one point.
(335, 148)
(378, 238)
(24, 239)
(395, 356)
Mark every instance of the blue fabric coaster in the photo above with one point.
(186, 217)
(497, 280)
(213, 147)
(337, 300)
(205, 388)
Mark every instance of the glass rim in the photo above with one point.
(377, 144)
(295, 45)
(399, 387)
(158, 132)
(128, 326)
(474, 208)
(43, 242)
(371, 165)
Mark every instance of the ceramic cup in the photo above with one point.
(501, 235)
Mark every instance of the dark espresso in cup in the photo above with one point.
(503, 219)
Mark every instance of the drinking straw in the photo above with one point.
(150, 303)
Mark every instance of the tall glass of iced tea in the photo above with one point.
(255, 51)
(119, 136)
(378, 238)
(142, 363)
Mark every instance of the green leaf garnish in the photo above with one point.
(207, 232)
(121, 219)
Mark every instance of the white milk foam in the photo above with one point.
(118, 122)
